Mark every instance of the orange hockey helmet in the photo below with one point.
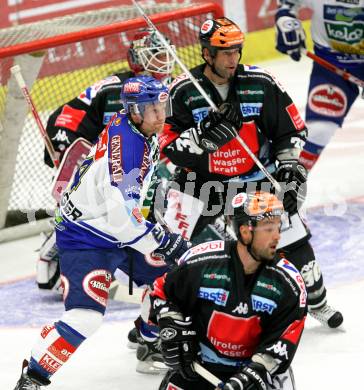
(221, 34)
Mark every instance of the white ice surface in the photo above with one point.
(326, 359)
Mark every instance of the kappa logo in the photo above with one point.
(242, 308)
(61, 136)
(280, 349)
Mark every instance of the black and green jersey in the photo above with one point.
(236, 315)
(87, 114)
(271, 122)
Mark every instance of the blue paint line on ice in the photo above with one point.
(17, 280)
(26, 305)
(337, 240)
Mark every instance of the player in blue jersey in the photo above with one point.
(99, 222)
(338, 36)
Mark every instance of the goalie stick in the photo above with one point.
(204, 94)
(16, 71)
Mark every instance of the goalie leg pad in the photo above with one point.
(48, 270)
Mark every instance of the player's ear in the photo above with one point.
(206, 55)
(136, 118)
(245, 234)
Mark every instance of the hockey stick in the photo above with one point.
(204, 94)
(16, 71)
(328, 65)
(214, 380)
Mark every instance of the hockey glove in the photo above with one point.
(217, 128)
(179, 345)
(172, 248)
(294, 175)
(290, 36)
(252, 377)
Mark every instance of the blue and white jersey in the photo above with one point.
(337, 28)
(101, 207)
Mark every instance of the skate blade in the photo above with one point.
(151, 368)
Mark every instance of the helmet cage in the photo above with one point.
(147, 53)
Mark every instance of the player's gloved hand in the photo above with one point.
(294, 175)
(290, 36)
(179, 345)
(251, 377)
(216, 130)
(173, 246)
(228, 111)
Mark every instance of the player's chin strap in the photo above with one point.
(249, 246)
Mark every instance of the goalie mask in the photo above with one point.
(147, 53)
(139, 92)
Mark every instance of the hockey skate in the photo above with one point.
(327, 316)
(133, 338)
(150, 359)
(30, 380)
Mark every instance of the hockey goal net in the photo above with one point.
(59, 59)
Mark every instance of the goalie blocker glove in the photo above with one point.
(217, 128)
(178, 344)
(173, 246)
(294, 175)
(251, 377)
(290, 36)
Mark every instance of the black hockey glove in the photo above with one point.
(294, 175)
(217, 128)
(179, 345)
(172, 248)
(251, 377)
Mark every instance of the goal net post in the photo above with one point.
(60, 59)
